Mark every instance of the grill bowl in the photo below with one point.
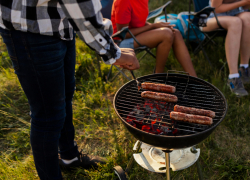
(191, 92)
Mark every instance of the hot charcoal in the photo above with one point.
(149, 117)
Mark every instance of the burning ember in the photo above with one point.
(148, 117)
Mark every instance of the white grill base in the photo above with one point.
(152, 158)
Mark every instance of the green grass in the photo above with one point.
(224, 155)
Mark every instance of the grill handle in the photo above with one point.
(138, 83)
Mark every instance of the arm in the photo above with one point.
(122, 10)
(87, 21)
(221, 7)
(147, 27)
(135, 31)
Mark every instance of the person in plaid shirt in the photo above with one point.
(40, 38)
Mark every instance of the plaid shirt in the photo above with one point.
(59, 18)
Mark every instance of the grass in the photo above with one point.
(224, 155)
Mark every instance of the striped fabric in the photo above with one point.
(59, 18)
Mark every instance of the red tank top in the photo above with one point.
(132, 12)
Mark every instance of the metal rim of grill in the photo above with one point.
(191, 92)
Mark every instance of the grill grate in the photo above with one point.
(190, 92)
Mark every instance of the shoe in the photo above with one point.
(237, 87)
(85, 161)
(245, 74)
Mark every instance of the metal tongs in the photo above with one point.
(138, 83)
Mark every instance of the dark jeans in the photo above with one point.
(45, 67)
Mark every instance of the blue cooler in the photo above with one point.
(181, 24)
(172, 18)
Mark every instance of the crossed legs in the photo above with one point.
(164, 39)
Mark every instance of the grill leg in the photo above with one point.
(193, 150)
(167, 166)
(199, 170)
(130, 163)
(167, 161)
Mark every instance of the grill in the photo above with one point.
(164, 133)
(191, 92)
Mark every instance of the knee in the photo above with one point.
(235, 24)
(167, 34)
(245, 18)
(177, 34)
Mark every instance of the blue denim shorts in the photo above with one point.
(233, 12)
(127, 43)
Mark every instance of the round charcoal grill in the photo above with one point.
(191, 92)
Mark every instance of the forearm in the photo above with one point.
(221, 7)
(95, 31)
(136, 31)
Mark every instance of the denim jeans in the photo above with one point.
(127, 43)
(232, 12)
(45, 66)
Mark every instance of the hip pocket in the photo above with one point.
(7, 39)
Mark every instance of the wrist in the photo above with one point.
(118, 55)
(152, 26)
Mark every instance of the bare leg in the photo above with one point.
(161, 38)
(164, 39)
(182, 54)
(245, 38)
(233, 25)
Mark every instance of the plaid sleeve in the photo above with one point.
(87, 21)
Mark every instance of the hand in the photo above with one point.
(163, 24)
(128, 59)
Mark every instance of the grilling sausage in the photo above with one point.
(191, 118)
(159, 96)
(195, 111)
(158, 87)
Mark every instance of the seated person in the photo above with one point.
(133, 13)
(233, 16)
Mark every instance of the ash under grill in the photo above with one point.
(191, 92)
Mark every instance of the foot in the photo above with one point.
(237, 87)
(85, 161)
(245, 74)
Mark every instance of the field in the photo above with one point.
(225, 155)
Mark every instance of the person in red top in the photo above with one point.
(133, 13)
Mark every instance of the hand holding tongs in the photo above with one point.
(138, 83)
